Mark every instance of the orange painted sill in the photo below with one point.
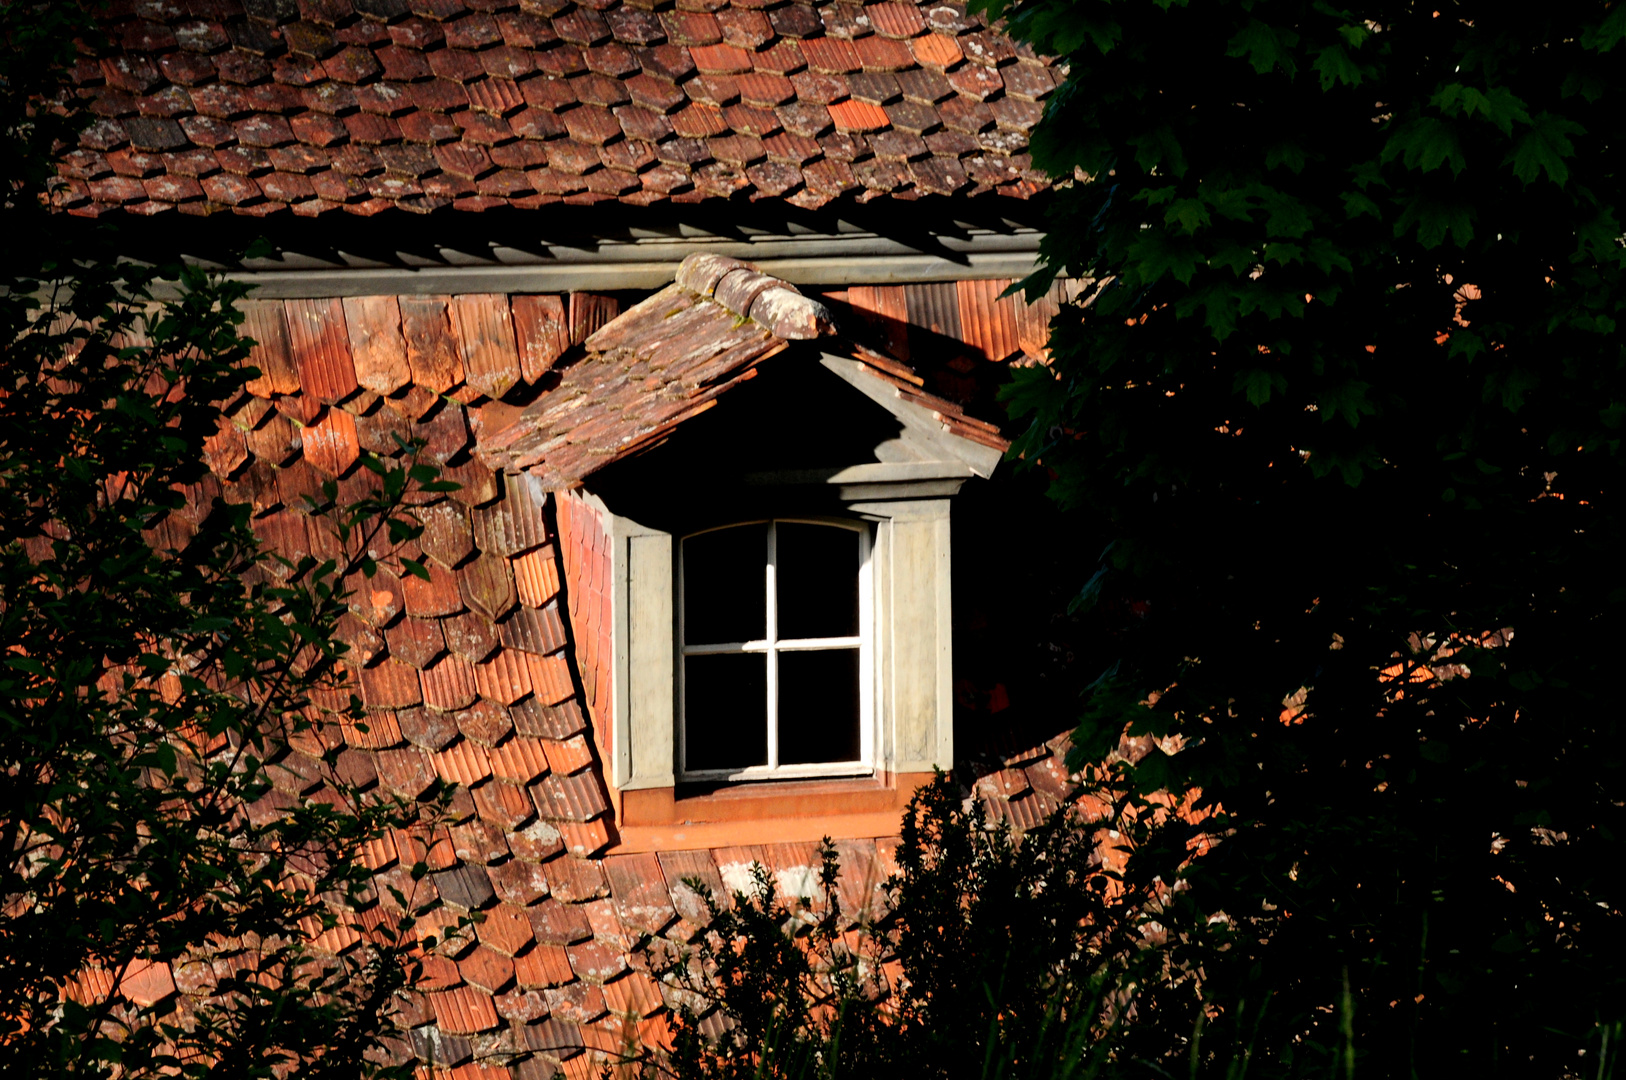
(686, 819)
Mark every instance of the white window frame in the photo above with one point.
(771, 646)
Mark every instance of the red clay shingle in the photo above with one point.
(334, 107)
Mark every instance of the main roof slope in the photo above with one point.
(257, 106)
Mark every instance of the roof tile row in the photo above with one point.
(371, 106)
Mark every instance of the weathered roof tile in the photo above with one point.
(464, 762)
(520, 883)
(560, 721)
(634, 994)
(458, 81)
(572, 880)
(504, 677)
(506, 929)
(595, 962)
(449, 684)
(520, 760)
(466, 886)
(464, 1011)
(543, 966)
(480, 841)
(639, 889)
(570, 755)
(407, 772)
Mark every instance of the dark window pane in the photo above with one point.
(818, 706)
(725, 711)
(725, 595)
(816, 573)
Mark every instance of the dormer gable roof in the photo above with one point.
(670, 357)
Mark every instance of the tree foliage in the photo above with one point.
(179, 894)
(991, 955)
(1346, 395)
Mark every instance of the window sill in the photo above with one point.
(687, 818)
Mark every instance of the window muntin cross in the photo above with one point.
(776, 665)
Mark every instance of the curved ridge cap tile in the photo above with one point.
(789, 315)
(701, 273)
(738, 289)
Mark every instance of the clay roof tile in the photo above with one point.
(570, 755)
(427, 728)
(505, 805)
(596, 962)
(543, 966)
(456, 84)
(519, 760)
(614, 60)
(449, 684)
(407, 772)
(796, 20)
(582, 27)
(854, 115)
(520, 883)
(533, 717)
(463, 1011)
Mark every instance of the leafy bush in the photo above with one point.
(994, 955)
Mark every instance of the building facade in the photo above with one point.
(702, 307)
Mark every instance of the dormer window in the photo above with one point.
(776, 673)
(759, 592)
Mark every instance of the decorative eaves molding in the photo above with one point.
(651, 262)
